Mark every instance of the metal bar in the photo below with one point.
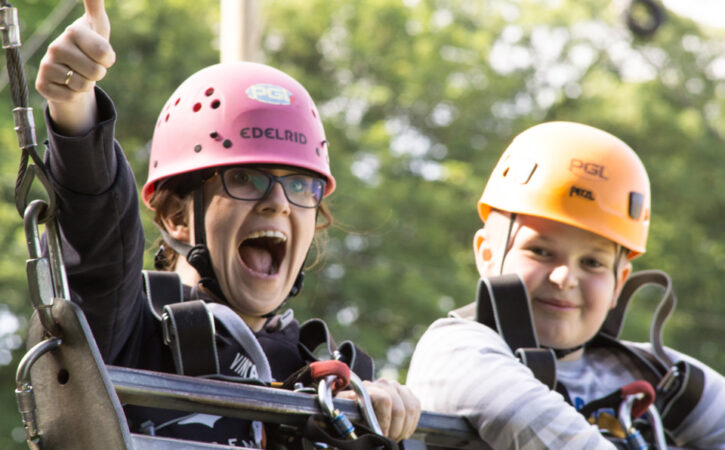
(171, 391)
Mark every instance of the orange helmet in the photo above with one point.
(574, 174)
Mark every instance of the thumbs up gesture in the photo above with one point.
(72, 65)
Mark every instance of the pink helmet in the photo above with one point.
(237, 113)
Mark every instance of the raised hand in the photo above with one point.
(72, 65)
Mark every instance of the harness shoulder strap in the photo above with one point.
(189, 332)
(188, 327)
(503, 305)
(679, 384)
(162, 288)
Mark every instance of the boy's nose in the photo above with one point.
(563, 277)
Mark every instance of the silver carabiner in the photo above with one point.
(658, 430)
(338, 420)
(24, 390)
(46, 274)
(366, 406)
(634, 438)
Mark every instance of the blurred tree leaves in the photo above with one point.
(420, 98)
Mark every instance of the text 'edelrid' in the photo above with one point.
(273, 133)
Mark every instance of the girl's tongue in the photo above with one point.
(259, 256)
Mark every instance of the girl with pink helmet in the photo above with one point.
(238, 171)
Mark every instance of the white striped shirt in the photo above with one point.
(463, 367)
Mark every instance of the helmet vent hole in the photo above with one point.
(209, 92)
(197, 107)
(636, 205)
(167, 118)
(227, 143)
(177, 101)
(197, 148)
(317, 150)
(215, 104)
(314, 113)
(506, 172)
(156, 164)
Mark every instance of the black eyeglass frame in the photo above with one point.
(273, 178)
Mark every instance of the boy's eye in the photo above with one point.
(593, 263)
(539, 251)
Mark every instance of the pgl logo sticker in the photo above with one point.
(269, 93)
(586, 168)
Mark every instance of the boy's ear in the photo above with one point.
(624, 273)
(176, 221)
(483, 253)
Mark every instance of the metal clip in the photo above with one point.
(46, 275)
(24, 390)
(339, 421)
(669, 379)
(658, 430)
(9, 27)
(366, 406)
(634, 438)
(24, 126)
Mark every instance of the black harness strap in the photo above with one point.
(503, 305)
(189, 332)
(681, 397)
(188, 327)
(314, 333)
(162, 288)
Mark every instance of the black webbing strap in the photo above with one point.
(503, 305)
(314, 333)
(189, 332)
(315, 430)
(162, 288)
(675, 402)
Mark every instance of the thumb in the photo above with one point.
(97, 17)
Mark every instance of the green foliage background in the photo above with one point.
(420, 97)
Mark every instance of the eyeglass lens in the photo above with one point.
(246, 183)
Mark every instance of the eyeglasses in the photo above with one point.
(246, 183)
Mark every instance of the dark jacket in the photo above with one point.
(103, 245)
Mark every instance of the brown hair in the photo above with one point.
(173, 198)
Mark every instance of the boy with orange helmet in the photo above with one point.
(237, 174)
(566, 208)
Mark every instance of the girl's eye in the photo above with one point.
(297, 185)
(240, 178)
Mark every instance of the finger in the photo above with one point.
(67, 53)
(412, 411)
(380, 399)
(398, 414)
(97, 17)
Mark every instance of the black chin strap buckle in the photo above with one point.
(297, 287)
